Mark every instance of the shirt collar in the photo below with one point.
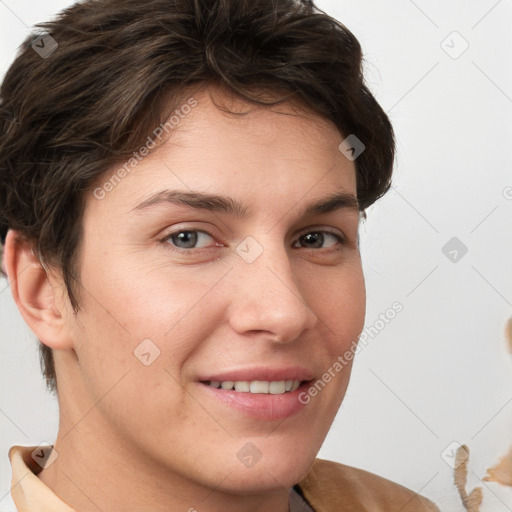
(31, 495)
(28, 492)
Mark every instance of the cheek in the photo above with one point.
(340, 303)
(131, 349)
(146, 315)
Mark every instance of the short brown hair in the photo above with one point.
(67, 117)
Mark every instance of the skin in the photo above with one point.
(148, 438)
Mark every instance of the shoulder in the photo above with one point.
(330, 487)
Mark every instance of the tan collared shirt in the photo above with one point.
(328, 487)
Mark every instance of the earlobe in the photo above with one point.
(36, 293)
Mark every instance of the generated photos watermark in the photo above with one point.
(138, 156)
(356, 346)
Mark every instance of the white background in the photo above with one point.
(439, 372)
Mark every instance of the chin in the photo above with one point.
(275, 470)
(263, 480)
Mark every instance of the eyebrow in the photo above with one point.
(230, 206)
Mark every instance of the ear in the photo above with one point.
(38, 294)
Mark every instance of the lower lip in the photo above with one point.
(261, 406)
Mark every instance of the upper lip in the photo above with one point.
(260, 373)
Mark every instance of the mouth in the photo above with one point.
(257, 399)
(276, 387)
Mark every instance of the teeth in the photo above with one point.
(242, 386)
(257, 386)
(295, 385)
(276, 388)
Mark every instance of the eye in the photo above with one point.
(185, 239)
(316, 239)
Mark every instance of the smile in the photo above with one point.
(258, 399)
(257, 386)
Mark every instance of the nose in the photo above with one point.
(267, 298)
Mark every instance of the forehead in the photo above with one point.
(219, 115)
(284, 150)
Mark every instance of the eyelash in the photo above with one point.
(164, 240)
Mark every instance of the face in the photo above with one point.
(181, 292)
